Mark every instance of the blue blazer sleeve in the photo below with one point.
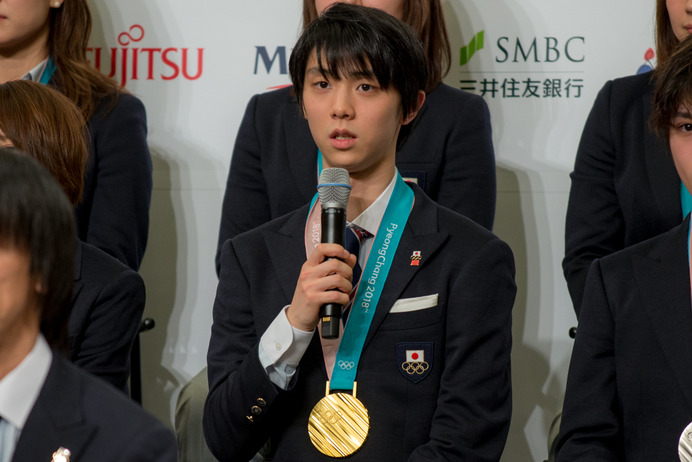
(107, 309)
(590, 427)
(237, 379)
(624, 185)
(114, 212)
(593, 199)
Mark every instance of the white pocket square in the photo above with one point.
(405, 305)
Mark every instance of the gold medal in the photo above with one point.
(338, 424)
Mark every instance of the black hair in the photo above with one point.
(36, 217)
(673, 87)
(356, 40)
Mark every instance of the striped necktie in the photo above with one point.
(353, 239)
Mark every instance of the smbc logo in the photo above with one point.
(469, 50)
(514, 49)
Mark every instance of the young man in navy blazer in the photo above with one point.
(431, 359)
(629, 389)
(49, 408)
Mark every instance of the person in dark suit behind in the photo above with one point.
(274, 167)
(49, 407)
(431, 358)
(629, 389)
(624, 187)
(47, 43)
(108, 297)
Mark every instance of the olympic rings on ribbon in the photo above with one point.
(347, 365)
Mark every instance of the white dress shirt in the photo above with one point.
(19, 391)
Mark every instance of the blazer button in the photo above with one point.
(261, 403)
(256, 410)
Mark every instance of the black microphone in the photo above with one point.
(333, 189)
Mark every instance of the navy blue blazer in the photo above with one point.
(274, 165)
(114, 212)
(629, 389)
(624, 185)
(459, 411)
(93, 420)
(107, 303)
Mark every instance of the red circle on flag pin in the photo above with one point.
(415, 258)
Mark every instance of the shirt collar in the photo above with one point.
(370, 218)
(35, 73)
(20, 388)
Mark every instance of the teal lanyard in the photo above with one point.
(685, 200)
(373, 280)
(319, 163)
(48, 72)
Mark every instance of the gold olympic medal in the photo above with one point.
(338, 425)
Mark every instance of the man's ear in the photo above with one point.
(412, 115)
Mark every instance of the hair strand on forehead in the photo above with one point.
(672, 89)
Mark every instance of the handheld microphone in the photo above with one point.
(334, 189)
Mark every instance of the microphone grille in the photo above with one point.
(334, 187)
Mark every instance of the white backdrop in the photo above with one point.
(195, 66)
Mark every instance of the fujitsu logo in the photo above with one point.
(129, 62)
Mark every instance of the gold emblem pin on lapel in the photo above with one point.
(415, 258)
(62, 455)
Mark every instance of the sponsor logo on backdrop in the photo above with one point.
(467, 52)
(525, 67)
(135, 59)
(267, 60)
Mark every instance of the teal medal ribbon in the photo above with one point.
(47, 72)
(372, 283)
(320, 165)
(685, 200)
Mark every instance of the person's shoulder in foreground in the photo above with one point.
(628, 386)
(51, 407)
(91, 419)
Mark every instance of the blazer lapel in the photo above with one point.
(664, 180)
(664, 284)
(57, 418)
(287, 249)
(420, 234)
(301, 150)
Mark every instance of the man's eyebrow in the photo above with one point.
(318, 70)
(359, 74)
